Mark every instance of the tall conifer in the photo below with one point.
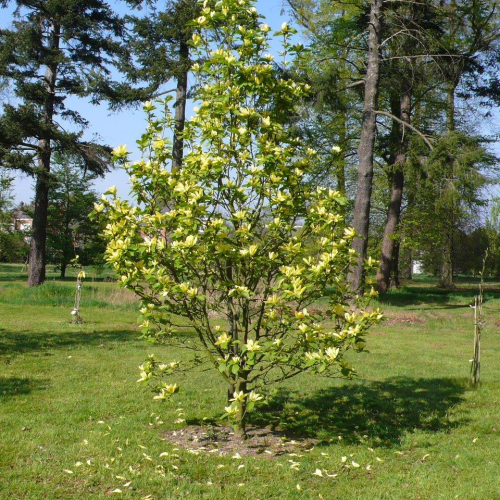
(54, 50)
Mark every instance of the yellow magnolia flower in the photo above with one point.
(144, 377)
(253, 397)
(120, 151)
(241, 291)
(349, 232)
(339, 310)
(171, 388)
(196, 39)
(223, 340)
(303, 328)
(252, 346)
(231, 410)
(202, 20)
(331, 353)
(273, 300)
(238, 396)
(350, 318)
(191, 241)
(252, 249)
(301, 314)
(316, 356)
(159, 144)
(240, 214)
(166, 391)
(370, 262)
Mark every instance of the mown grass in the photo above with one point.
(74, 424)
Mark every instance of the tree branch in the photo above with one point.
(411, 127)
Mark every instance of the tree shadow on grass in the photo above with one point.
(382, 411)
(414, 296)
(16, 386)
(15, 342)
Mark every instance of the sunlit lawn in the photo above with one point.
(74, 424)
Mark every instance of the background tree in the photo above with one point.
(159, 52)
(244, 239)
(55, 49)
(13, 242)
(70, 232)
(450, 194)
(423, 46)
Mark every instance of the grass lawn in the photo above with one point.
(74, 424)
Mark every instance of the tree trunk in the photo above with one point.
(446, 279)
(341, 164)
(395, 264)
(37, 259)
(394, 210)
(63, 270)
(180, 106)
(241, 415)
(388, 241)
(366, 146)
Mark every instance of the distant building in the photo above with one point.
(417, 267)
(21, 221)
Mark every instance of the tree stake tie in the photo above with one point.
(76, 309)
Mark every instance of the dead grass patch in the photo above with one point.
(407, 319)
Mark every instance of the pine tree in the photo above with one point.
(70, 232)
(159, 52)
(54, 50)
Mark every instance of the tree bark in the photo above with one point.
(388, 241)
(395, 264)
(341, 163)
(397, 186)
(446, 278)
(340, 158)
(37, 259)
(180, 107)
(241, 416)
(366, 146)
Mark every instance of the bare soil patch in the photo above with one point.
(222, 441)
(409, 319)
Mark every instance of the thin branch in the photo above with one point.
(354, 84)
(411, 127)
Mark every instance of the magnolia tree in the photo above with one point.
(235, 241)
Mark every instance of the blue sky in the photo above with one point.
(126, 127)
